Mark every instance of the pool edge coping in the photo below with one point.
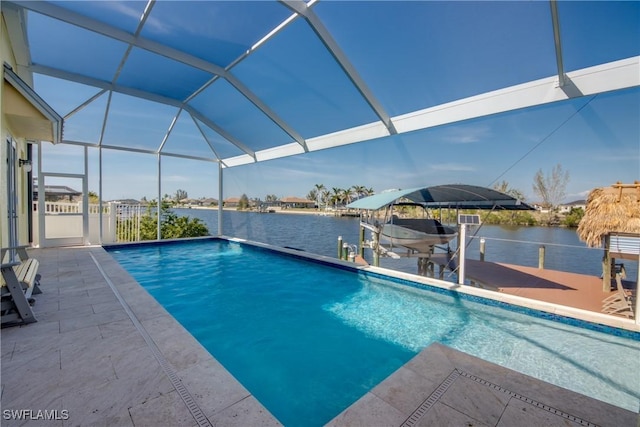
(568, 315)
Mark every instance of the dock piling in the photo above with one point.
(541, 252)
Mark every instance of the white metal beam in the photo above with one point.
(90, 81)
(14, 19)
(226, 135)
(266, 110)
(588, 81)
(334, 49)
(608, 77)
(209, 143)
(73, 18)
(555, 21)
(87, 23)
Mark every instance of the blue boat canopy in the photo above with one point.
(459, 196)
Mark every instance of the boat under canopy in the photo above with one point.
(416, 234)
(454, 196)
(420, 236)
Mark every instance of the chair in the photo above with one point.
(19, 280)
(621, 302)
(27, 270)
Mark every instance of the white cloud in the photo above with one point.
(466, 134)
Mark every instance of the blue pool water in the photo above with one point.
(308, 340)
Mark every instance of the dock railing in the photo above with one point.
(556, 256)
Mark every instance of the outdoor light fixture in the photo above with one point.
(26, 164)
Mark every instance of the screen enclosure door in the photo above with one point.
(63, 206)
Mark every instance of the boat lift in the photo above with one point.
(456, 196)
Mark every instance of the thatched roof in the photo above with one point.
(609, 210)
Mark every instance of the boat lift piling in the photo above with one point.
(346, 251)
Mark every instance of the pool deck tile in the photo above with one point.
(86, 355)
(442, 386)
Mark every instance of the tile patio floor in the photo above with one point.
(107, 353)
(85, 355)
(444, 387)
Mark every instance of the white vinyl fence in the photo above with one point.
(120, 222)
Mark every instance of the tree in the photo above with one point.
(573, 218)
(338, 196)
(504, 187)
(359, 191)
(243, 203)
(93, 198)
(172, 226)
(312, 195)
(551, 188)
(345, 195)
(180, 195)
(319, 194)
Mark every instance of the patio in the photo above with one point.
(112, 356)
(103, 352)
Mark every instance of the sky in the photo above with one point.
(411, 55)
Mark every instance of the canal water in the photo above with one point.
(319, 234)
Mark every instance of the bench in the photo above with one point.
(18, 281)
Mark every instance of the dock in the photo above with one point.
(558, 287)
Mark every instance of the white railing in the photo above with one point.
(69, 208)
(120, 222)
(59, 207)
(127, 221)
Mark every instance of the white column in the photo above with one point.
(113, 232)
(85, 198)
(100, 220)
(462, 252)
(41, 192)
(220, 198)
(636, 313)
(159, 235)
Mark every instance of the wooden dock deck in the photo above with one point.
(559, 287)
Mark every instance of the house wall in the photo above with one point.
(8, 55)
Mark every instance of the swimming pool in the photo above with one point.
(308, 340)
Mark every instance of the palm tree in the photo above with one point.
(359, 190)
(312, 195)
(325, 197)
(336, 197)
(320, 192)
(345, 196)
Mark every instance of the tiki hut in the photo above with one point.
(612, 221)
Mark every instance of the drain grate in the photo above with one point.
(529, 401)
(184, 394)
(431, 400)
(442, 388)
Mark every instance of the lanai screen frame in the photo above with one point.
(611, 76)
